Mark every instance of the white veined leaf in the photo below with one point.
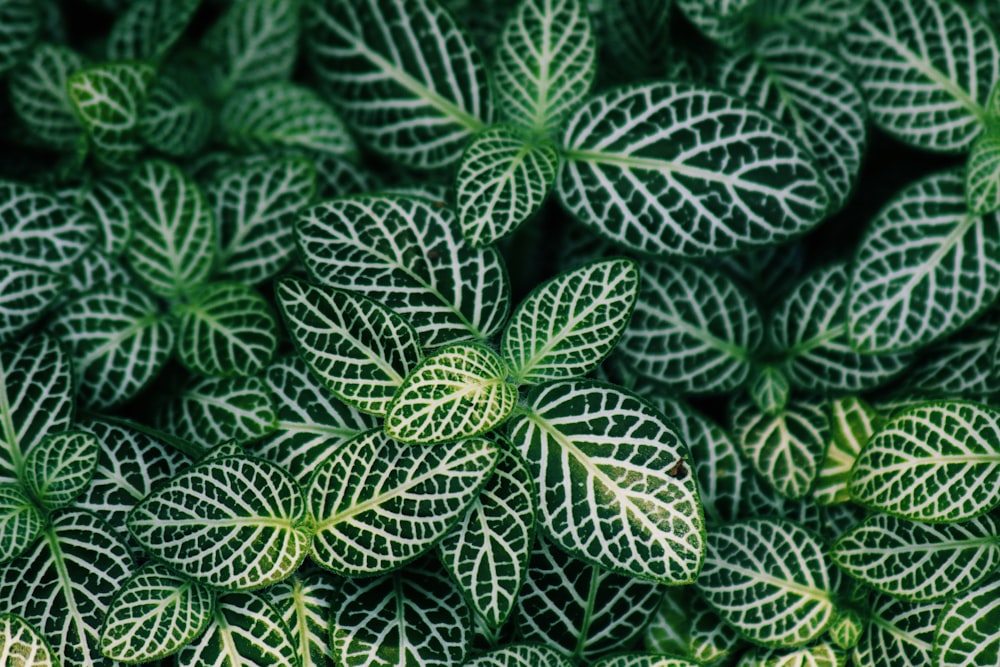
(21, 521)
(968, 631)
(846, 630)
(256, 206)
(823, 654)
(635, 38)
(769, 390)
(607, 464)
(283, 115)
(39, 230)
(936, 462)
(810, 327)
(917, 561)
(22, 24)
(458, 391)
(304, 602)
(36, 399)
(650, 167)
(580, 609)
(982, 174)
(61, 467)
(819, 21)
(39, 97)
(786, 449)
(925, 268)
(644, 660)
(767, 273)
(725, 22)
(685, 625)
(852, 423)
(108, 201)
(379, 504)
(26, 292)
(693, 330)
(173, 243)
(210, 411)
(245, 629)
(253, 42)
(148, 29)
(566, 326)
(312, 423)
(235, 523)
(407, 79)
(812, 93)
(22, 646)
(337, 176)
(118, 342)
(520, 655)
(962, 364)
(545, 61)
(407, 253)
(410, 617)
(899, 634)
(94, 271)
(770, 579)
(154, 614)
(502, 180)
(174, 120)
(225, 328)
(487, 552)
(64, 583)
(108, 99)
(925, 68)
(358, 348)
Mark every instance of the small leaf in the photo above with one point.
(852, 423)
(20, 522)
(769, 390)
(968, 631)
(900, 634)
(148, 29)
(39, 96)
(61, 467)
(685, 625)
(26, 293)
(23, 645)
(174, 120)
(520, 655)
(304, 602)
(982, 174)
(38, 230)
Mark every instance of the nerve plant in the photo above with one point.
(271, 395)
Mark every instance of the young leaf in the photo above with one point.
(925, 67)
(38, 230)
(852, 423)
(61, 467)
(174, 239)
(545, 61)
(406, 252)
(936, 462)
(769, 390)
(154, 614)
(359, 349)
(823, 654)
(118, 341)
(926, 267)
(502, 181)
(407, 79)
(768, 578)
(459, 391)
(148, 29)
(520, 655)
(225, 328)
(917, 561)
(819, 21)
(567, 325)
(725, 22)
(25, 293)
(649, 166)
(232, 522)
(22, 23)
(693, 330)
(982, 174)
(379, 504)
(968, 631)
(174, 120)
(21, 521)
(685, 625)
(209, 411)
(39, 97)
(304, 602)
(607, 464)
(22, 646)
(900, 634)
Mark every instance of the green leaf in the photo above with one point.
(407, 253)
(255, 208)
(225, 328)
(38, 230)
(337, 176)
(503, 179)
(962, 364)
(917, 561)
(823, 654)
(20, 521)
(968, 631)
(148, 29)
(769, 390)
(644, 660)
(812, 93)
(693, 329)
(235, 523)
(154, 615)
(109, 202)
(245, 629)
(925, 68)
(65, 582)
(487, 552)
(607, 464)
(685, 625)
(545, 62)
(26, 293)
(379, 504)
(852, 423)
(22, 23)
(636, 37)
(174, 120)
(570, 323)
(900, 634)
(520, 655)
(108, 99)
(23, 645)
(61, 467)
(982, 174)
(406, 78)
(283, 115)
(819, 21)
(39, 96)
(118, 340)
(304, 602)
(725, 22)
(459, 391)
(925, 267)
(937, 462)
(580, 609)
(359, 349)
(213, 410)
(311, 422)
(649, 167)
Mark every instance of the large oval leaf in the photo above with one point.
(38, 230)
(652, 168)
(39, 97)
(968, 631)
(26, 293)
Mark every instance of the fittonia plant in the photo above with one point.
(615, 333)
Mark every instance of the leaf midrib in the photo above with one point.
(784, 584)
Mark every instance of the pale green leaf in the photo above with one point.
(819, 21)
(685, 625)
(725, 22)
(982, 174)
(968, 631)
(520, 655)
(20, 521)
(174, 120)
(823, 654)
(847, 627)
(39, 97)
(148, 29)
(61, 467)
(899, 634)
(38, 230)
(21, 23)
(26, 292)
(22, 646)
(769, 390)
(304, 602)
(644, 660)
(852, 423)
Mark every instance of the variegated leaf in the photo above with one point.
(38, 230)
(900, 634)
(725, 22)
(820, 21)
(968, 631)
(520, 655)
(148, 29)
(21, 521)
(21, 22)
(26, 292)
(685, 625)
(962, 364)
(769, 390)
(22, 646)
(174, 120)
(304, 602)
(379, 504)
(39, 97)
(852, 423)
(823, 654)
(61, 467)
(337, 176)
(644, 660)
(982, 174)
(109, 201)
(636, 38)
